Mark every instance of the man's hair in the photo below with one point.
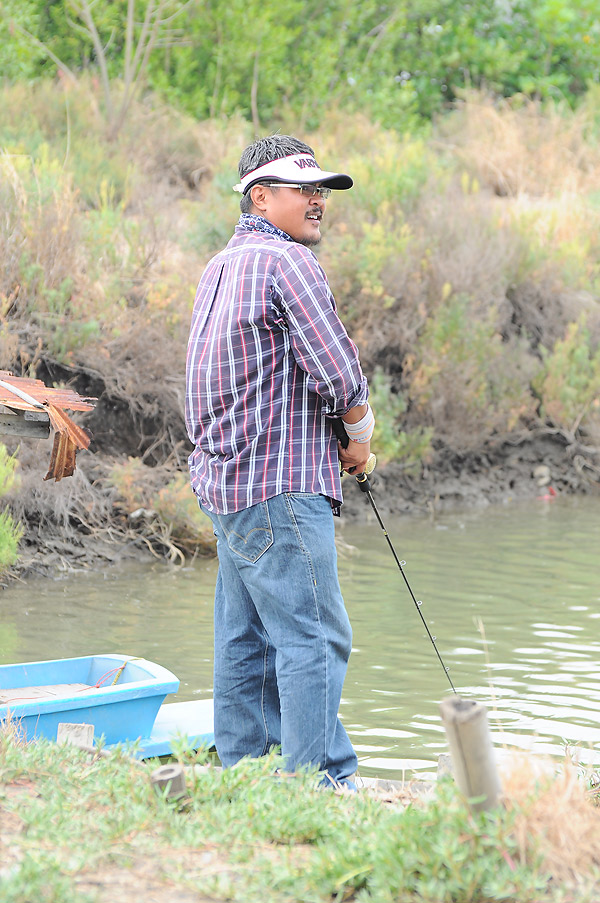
(273, 147)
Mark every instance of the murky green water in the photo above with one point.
(512, 595)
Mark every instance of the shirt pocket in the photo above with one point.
(248, 532)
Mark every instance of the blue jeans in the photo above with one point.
(282, 636)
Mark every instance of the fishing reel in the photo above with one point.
(363, 478)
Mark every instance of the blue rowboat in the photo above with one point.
(121, 696)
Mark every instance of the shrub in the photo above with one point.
(390, 442)
(171, 513)
(467, 382)
(10, 531)
(569, 382)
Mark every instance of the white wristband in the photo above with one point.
(363, 429)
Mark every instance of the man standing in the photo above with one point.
(269, 365)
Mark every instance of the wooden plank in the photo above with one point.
(45, 691)
(19, 425)
(37, 416)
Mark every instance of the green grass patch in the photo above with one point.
(71, 824)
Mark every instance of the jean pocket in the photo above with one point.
(305, 495)
(248, 532)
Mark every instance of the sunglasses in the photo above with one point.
(307, 191)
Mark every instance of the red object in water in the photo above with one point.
(551, 494)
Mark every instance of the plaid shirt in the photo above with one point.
(268, 359)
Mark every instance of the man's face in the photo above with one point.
(289, 210)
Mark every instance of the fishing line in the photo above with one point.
(363, 481)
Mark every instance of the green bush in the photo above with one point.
(390, 442)
(395, 62)
(569, 382)
(10, 531)
(467, 381)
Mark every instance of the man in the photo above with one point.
(269, 366)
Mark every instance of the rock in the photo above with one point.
(541, 474)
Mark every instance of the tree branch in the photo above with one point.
(129, 39)
(254, 94)
(83, 9)
(137, 67)
(177, 12)
(147, 24)
(55, 59)
(152, 33)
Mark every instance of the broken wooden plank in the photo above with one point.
(22, 424)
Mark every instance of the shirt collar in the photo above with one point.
(251, 222)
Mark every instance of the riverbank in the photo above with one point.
(534, 465)
(464, 263)
(114, 509)
(83, 829)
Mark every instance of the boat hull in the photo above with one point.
(121, 711)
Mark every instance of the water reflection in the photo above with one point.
(510, 593)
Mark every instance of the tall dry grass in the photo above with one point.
(557, 818)
(523, 147)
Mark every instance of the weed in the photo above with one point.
(10, 530)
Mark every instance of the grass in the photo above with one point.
(76, 828)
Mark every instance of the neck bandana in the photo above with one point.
(255, 223)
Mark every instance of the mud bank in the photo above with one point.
(87, 522)
(536, 465)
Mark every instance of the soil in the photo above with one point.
(529, 466)
(85, 525)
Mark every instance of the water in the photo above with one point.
(512, 595)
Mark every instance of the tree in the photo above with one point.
(99, 24)
(140, 40)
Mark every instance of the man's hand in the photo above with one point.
(354, 458)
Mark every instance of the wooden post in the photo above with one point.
(471, 750)
(81, 735)
(169, 780)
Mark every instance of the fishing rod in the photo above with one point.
(365, 486)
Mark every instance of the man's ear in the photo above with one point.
(258, 194)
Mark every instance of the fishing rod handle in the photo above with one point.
(343, 438)
(362, 479)
(340, 431)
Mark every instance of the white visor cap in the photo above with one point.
(299, 168)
